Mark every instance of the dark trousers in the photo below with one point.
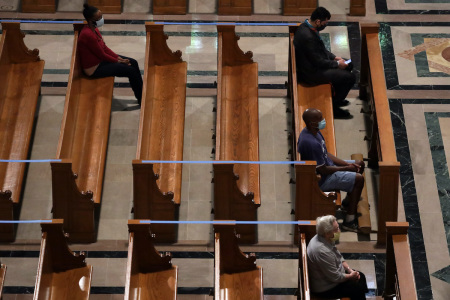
(356, 290)
(341, 80)
(107, 69)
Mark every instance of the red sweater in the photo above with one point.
(92, 48)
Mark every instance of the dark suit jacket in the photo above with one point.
(311, 55)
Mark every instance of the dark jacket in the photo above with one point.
(311, 55)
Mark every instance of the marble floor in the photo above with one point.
(415, 43)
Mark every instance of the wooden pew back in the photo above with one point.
(171, 7)
(299, 7)
(236, 275)
(108, 6)
(41, 6)
(77, 180)
(234, 7)
(150, 274)
(61, 273)
(20, 81)
(157, 187)
(399, 277)
(382, 150)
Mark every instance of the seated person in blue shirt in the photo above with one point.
(330, 276)
(336, 174)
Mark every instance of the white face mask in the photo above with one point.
(100, 22)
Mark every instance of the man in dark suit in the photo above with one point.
(316, 65)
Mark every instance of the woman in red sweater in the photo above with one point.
(98, 61)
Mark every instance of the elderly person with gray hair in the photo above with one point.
(329, 275)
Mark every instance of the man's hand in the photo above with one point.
(124, 61)
(354, 275)
(352, 168)
(341, 64)
(337, 58)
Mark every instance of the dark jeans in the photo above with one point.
(107, 69)
(341, 80)
(356, 290)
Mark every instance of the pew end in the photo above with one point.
(236, 275)
(150, 203)
(150, 274)
(21, 72)
(61, 272)
(2, 278)
(399, 276)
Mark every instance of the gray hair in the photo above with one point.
(324, 224)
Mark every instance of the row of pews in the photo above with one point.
(77, 178)
(310, 201)
(151, 275)
(179, 7)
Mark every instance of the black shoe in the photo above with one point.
(350, 226)
(339, 113)
(344, 102)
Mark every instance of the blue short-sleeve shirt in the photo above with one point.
(312, 147)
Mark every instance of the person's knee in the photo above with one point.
(359, 181)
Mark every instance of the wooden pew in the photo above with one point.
(169, 7)
(61, 273)
(363, 209)
(306, 232)
(357, 8)
(236, 275)
(234, 7)
(77, 180)
(38, 6)
(107, 6)
(150, 274)
(382, 150)
(399, 275)
(237, 135)
(2, 278)
(20, 83)
(157, 187)
(299, 7)
(310, 202)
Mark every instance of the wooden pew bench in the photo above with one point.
(310, 202)
(234, 7)
(306, 232)
(2, 278)
(61, 273)
(236, 187)
(157, 187)
(236, 275)
(382, 152)
(299, 7)
(399, 274)
(38, 6)
(20, 83)
(108, 6)
(169, 7)
(150, 274)
(78, 179)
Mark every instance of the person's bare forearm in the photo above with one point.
(337, 161)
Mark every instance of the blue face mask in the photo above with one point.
(321, 124)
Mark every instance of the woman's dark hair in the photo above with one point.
(320, 13)
(89, 11)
